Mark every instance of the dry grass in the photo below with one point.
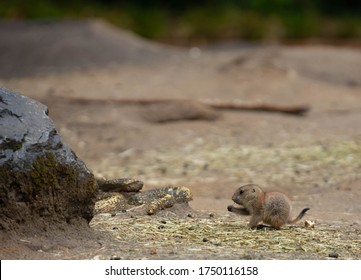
(224, 238)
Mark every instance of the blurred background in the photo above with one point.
(199, 22)
(86, 59)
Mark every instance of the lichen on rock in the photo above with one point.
(119, 185)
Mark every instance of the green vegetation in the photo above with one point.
(207, 20)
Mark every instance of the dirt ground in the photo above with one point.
(314, 158)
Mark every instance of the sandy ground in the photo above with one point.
(315, 158)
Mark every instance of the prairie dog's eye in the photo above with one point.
(241, 191)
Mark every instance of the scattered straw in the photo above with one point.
(224, 238)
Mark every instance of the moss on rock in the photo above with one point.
(42, 182)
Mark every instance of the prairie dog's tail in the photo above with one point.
(299, 217)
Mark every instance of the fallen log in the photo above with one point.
(215, 104)
(258, 106)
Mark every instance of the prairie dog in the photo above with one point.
(272, 208)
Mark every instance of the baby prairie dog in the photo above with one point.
(272, 208)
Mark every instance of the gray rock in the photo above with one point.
(42, 182)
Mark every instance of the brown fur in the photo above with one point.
(272, 208)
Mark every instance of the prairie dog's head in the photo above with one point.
(247, 194)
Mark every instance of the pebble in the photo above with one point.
(161, 226)
(205, 239)
(211, 215)
(190, 215)
(163, 222)
(115, 258)
(333, 255)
